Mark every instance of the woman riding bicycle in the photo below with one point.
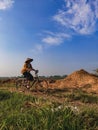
(27, 68)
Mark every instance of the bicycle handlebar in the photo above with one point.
(36, 73)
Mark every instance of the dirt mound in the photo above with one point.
(80, 78)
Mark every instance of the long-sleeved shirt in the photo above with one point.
(26, 68)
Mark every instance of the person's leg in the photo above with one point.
(28, 76)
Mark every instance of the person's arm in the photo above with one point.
(32, 68)
(36, 71)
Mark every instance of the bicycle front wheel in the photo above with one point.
(44, 84)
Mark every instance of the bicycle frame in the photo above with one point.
(24, 83)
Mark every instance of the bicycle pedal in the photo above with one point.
(27, 87)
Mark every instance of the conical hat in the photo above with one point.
(29, 59)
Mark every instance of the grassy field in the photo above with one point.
(53, 110)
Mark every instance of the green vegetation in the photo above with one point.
(56, 77)
(82, 96)
(25, 112)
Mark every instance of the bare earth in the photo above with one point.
(78, 79)
(57, 91)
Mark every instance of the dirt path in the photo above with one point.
(53, 95)
(50, 94)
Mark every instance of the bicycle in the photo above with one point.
(39, 83)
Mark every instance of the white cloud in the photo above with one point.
(76, 17)
(80, 16)
(49, 39)
(38, 48)
(52, 40)
(6, 4)
(55, 38)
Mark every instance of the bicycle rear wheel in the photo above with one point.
(22, 84)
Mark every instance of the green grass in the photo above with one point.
(79, 95)
(21, 112)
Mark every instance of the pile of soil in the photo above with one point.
(79, 79)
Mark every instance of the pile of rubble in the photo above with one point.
(79, 79)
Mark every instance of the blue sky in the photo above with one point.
(60, 35)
